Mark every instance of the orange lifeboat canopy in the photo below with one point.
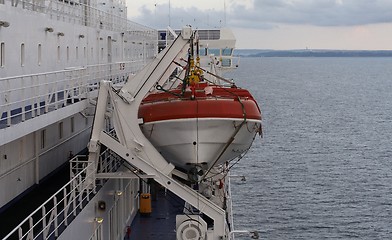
(221, 103)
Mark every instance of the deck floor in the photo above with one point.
(161, 223)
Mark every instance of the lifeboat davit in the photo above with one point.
(205, 125)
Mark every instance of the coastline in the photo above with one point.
(312, 53)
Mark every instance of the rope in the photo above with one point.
(231, 138)
(160, 88)
(228, 169)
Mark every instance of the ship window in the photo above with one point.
(72, 124)
(84, 52)
(2, 54)
(43, 138)
(226, 62)
(58, 53)
(227, 51)
(67, 53)
(61, 130)
(102, 56)
(39, 54)
(203, 51)
(215, 52)
(92, 53)
(77, 52)
(22, 54)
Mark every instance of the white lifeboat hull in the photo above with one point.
(201, 141)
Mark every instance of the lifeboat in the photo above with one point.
(205, 126)
(200, 124)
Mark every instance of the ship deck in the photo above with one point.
(161, 223)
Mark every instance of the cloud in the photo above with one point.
(269, 14)
(316, 12)
(178, 17)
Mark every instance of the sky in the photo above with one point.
(278, 24)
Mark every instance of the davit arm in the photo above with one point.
(132, 145)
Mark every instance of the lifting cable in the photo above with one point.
(231, 139)
(237, 129)
(160, 88)
(212, 74)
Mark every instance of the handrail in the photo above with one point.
(74, 185)
(80, 13)
(58, 211)
(26, 96)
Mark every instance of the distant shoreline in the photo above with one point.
(312, 53)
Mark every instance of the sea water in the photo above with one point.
(323, 169)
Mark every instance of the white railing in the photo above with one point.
(25, 97)
(82, 14)
(54, 215)
(108, 162)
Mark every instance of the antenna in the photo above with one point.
(224, 9)
(155, 15)
(169, 15)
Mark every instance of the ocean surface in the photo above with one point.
(323, 169)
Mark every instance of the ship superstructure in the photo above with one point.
(55, 57)
(52, 56)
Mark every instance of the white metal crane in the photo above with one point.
(134, 147)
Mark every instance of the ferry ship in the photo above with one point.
(69, 70)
